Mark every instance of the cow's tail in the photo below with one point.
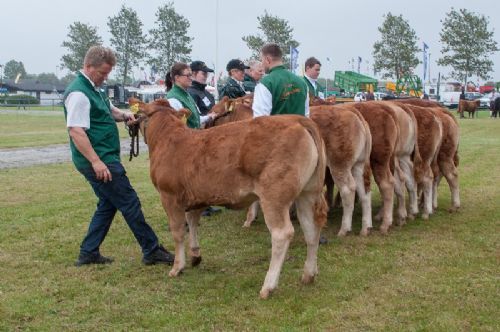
(320, 205)
(416, 157)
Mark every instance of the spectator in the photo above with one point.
(234, 86)
(95, 150)
(203, 99)
(252, 75)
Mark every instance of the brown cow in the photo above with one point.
(469, 106)
(430, 135)
(348, 145)
(385, 133)
(448, 159)
(278, 160)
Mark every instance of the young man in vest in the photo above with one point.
(312, 70)
(95, 149)
(234, 86)
(253, 75)
(280, 92)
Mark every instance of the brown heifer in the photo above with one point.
(430, 134)
(348, 146)
(278, 160)
(384, 132)
(469, 106)
(448, 152)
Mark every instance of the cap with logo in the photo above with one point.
(200, 66)
(236, 64)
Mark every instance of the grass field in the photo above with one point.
(436, 275)
(29, 130)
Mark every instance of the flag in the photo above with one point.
(424, 62)
(294, 59)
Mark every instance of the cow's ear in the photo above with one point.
(162, 102)
(183, 114)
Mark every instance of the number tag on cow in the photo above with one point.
(206, 101)
(134, 108)
(184, 119)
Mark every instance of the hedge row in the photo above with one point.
(19, 100)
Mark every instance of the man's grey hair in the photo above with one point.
(97, 55)
(254, 63)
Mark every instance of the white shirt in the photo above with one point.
(263, 101)
(315, 85)
(78, 108)
(177, 105)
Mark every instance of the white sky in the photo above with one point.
(32, 31)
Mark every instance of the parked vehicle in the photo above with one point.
(359, 96)
(450, 99)
(379, 95)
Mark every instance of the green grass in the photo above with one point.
(436, 275)
(33, 108)
(29, 130)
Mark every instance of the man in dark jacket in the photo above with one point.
(204, 99)
(234, 86)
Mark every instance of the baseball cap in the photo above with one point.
(236, 64)
(200, 66)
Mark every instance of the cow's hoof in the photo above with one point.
(425, 216)
(411, 216)
(307, 279)
(264, 293)
(453, 209)
(174, 272)
(342, 233)
(384, 229)
(195, 260)
(247, 224)
(401, 221)
(364, 232)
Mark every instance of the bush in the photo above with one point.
(19, 100)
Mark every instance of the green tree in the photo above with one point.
(395, 54)
(12, 68)
(81, 37)
(128, 41)
(169, 41)
(276, 30)
(467, 45)
(50, 78)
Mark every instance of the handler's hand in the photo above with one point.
(129, 118)
(101, 171)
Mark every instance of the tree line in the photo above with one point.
(466, 44)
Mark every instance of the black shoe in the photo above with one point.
(85, 259)
(323, 240)
(159, 256)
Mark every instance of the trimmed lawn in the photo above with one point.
(436, 275)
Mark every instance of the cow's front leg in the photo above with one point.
(193, 218)
(177, 221)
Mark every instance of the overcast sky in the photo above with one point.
(32, 31)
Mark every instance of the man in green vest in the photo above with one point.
(312, 70)
(95, 150)
(280, 92)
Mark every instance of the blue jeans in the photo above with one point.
(114, 195)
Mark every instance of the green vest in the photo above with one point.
(312, 91)
(187, 102)
(103, 133)
(288, 90)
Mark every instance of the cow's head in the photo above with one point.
(160, 105)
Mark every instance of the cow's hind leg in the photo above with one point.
(365, 197)
(193, 218)
(385, 182)
(347, 190)
(277, 219)
(252, 212)
(305, 212)
(450, 172)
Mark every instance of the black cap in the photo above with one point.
(200, 66)
(236, 64)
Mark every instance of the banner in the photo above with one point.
(425, 61)
(294, 59)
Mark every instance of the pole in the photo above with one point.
(216, 69)
(429, 67)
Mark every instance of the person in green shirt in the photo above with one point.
(252, 75)
(279, 92)
(178, 80)
(95, 150)
(312, 70)
(234, 85)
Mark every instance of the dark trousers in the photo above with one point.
(114, 195)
